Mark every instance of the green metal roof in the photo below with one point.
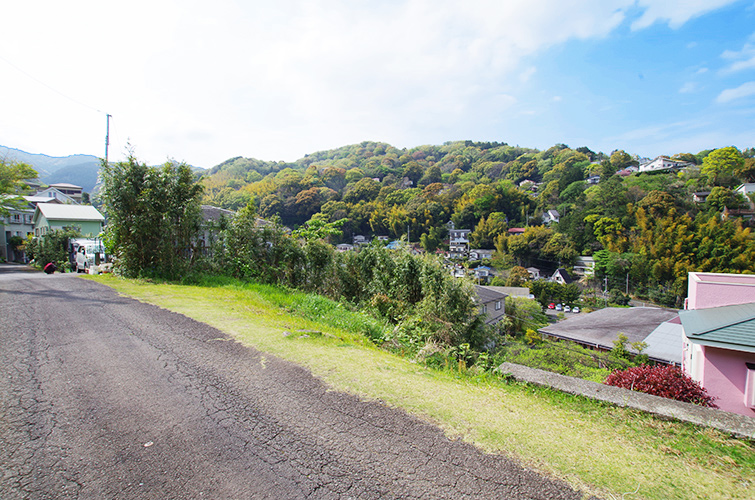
(728, 327)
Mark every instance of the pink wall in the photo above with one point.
(724, 376)
(717, 289)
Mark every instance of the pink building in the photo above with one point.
(719, 338)
(717, 289)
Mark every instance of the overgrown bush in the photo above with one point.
(664, 381)
(564, 358)
(52, 247)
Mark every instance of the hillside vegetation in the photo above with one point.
(644, 229)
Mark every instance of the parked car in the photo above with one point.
(559, 307)
(567, 309)
(576, 309)
(551, 306)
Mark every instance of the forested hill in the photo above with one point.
(644, 227)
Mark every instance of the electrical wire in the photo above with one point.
(49, 87)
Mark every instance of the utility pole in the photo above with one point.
(605, 291)
(107, 138)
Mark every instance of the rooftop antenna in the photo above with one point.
(107, 137)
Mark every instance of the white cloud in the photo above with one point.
(741, 59)
(205, 81)
(745, 90)
(675, 12)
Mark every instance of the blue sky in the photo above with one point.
(201, 81)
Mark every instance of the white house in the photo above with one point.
(745, 189)
(52, 193)
(479, 254)
(551, 216)
(534, 273)
(584, 266)
(561, 276)
(458, 244)
(662, 163)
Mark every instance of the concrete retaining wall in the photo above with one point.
(733, 423)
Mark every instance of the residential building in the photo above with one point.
(458, 241)
(482, 274)
(551, 216)
(561, 276)
(71, 190)
(213, 218)
(719, 338)
(662, 163)
(17, 224)
(50, 216)
(52, 193)
(479, 254)
(745, 190)
(534, 273)
(584, 266)
(700, 196)
(344, 247)
(492, 304)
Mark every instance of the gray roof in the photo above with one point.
(602, 327)
(665, 342)
(69, 212)
(214, 213)
(486, 294)
(513, 291)
(728, 327)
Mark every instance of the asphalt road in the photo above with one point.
(105, 397)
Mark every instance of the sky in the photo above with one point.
(202, 82)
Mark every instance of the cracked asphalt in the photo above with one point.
(105, 397)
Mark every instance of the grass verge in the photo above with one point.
(597, 447)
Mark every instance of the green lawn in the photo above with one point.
(604, 450)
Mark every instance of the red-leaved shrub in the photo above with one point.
(664, 381)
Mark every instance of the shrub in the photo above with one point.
(664, 381)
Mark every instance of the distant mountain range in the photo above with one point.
(80, 170)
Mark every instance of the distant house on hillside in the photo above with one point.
(52, 193)
(479, 254)
(212, 220)
(71, 190)
(700, 196)
(584, 266)
(662, 163)
(534, 273)
(745, 190)
(551, 216)
(561, 276)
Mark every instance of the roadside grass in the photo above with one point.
(602, 449)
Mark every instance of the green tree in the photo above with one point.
(720, 165)
(153, 217)
(12, 177)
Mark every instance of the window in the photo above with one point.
(498, 305)
(484, 309)
(750, 386)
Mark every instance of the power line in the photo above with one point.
(50, 87)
